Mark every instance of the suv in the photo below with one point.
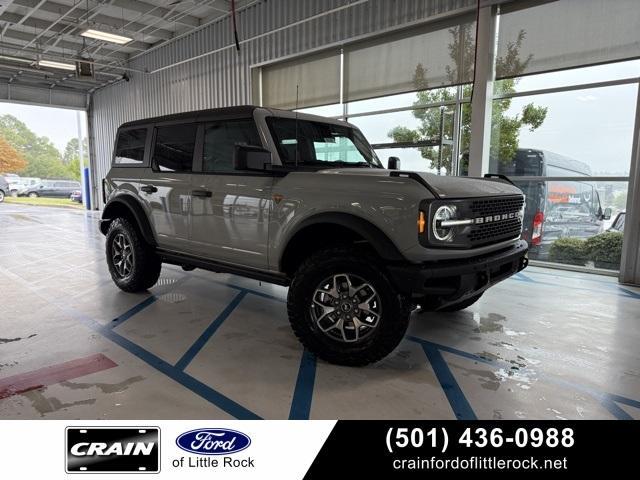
(303, 201)
(52, 188)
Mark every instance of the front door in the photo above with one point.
(230, 209)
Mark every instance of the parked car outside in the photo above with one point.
(26, 183)
(53, 188)
(4, 188)
(76, 196)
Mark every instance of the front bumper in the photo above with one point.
(452, 281)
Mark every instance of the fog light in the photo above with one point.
(443, 214)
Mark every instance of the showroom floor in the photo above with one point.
(546, 344)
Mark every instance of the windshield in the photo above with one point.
(321, 144)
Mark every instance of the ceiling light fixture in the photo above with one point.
(15, 59)
(106, 36)
(60, 65)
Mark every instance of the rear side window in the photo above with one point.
(130, 147)
(220, 138)
(173, 151)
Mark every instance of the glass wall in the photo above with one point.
(562, 112)
(569, 150)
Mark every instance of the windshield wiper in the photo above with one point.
(340, 163)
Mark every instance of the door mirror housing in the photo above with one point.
(250, 157)
(607, 214)
(394, 163)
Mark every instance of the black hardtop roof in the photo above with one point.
(237, 111)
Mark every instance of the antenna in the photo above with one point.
(297, 91)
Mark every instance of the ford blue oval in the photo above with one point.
(213, 441)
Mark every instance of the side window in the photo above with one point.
(173, 151)
(220, 139)
(130, 147)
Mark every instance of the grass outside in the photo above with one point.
(43, 202)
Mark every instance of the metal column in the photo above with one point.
(481, 104)
(630, 263)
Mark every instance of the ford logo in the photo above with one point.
(213, 441)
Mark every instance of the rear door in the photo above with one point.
(230, 213)
(165, 185)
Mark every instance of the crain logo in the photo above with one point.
(114, 450)
(498, 218)
(213, 441)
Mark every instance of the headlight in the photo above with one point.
(445, 213)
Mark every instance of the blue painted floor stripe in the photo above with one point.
(303, 392)
(459, 404)
(209, 331)
(132, 311)
(615, 409)
(186, 380)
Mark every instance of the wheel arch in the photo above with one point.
(127, 207)
(329, 229)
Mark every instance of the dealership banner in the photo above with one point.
(313, 449)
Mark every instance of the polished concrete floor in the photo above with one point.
(546, 344)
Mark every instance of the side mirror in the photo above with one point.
(394, 163)
(249, 157)
(607, 214)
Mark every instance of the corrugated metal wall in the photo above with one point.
(224, 78)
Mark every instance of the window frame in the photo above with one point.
(147, 145)
(196, 157)
(203, 126)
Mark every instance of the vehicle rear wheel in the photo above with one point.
(1, 196)
(428, 305)
(134, 265)
(344, 309)
(33, 195)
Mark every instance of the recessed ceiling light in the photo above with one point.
(60, 65)
(15, 59)
(106, 36)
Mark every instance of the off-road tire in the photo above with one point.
(429, 306)
(392, 323)
(146, 263)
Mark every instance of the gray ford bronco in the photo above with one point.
(303, 201)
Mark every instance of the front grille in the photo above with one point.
(495, 231)
(496, 206)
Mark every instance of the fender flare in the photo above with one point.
(367, 230)
(137, 212)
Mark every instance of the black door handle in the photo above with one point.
(149, 189)
(201, 193)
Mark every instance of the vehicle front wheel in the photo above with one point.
(33, 195)
(344, 309)
(134, 266)
(1, 196)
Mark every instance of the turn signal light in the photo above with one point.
(422, 223)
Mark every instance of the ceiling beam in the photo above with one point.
(60, 29)
(166, 14)
(63, 46)
(113, 22)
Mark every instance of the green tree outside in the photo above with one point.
(43, 159)
(505, 129)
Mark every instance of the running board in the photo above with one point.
(183, 260)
